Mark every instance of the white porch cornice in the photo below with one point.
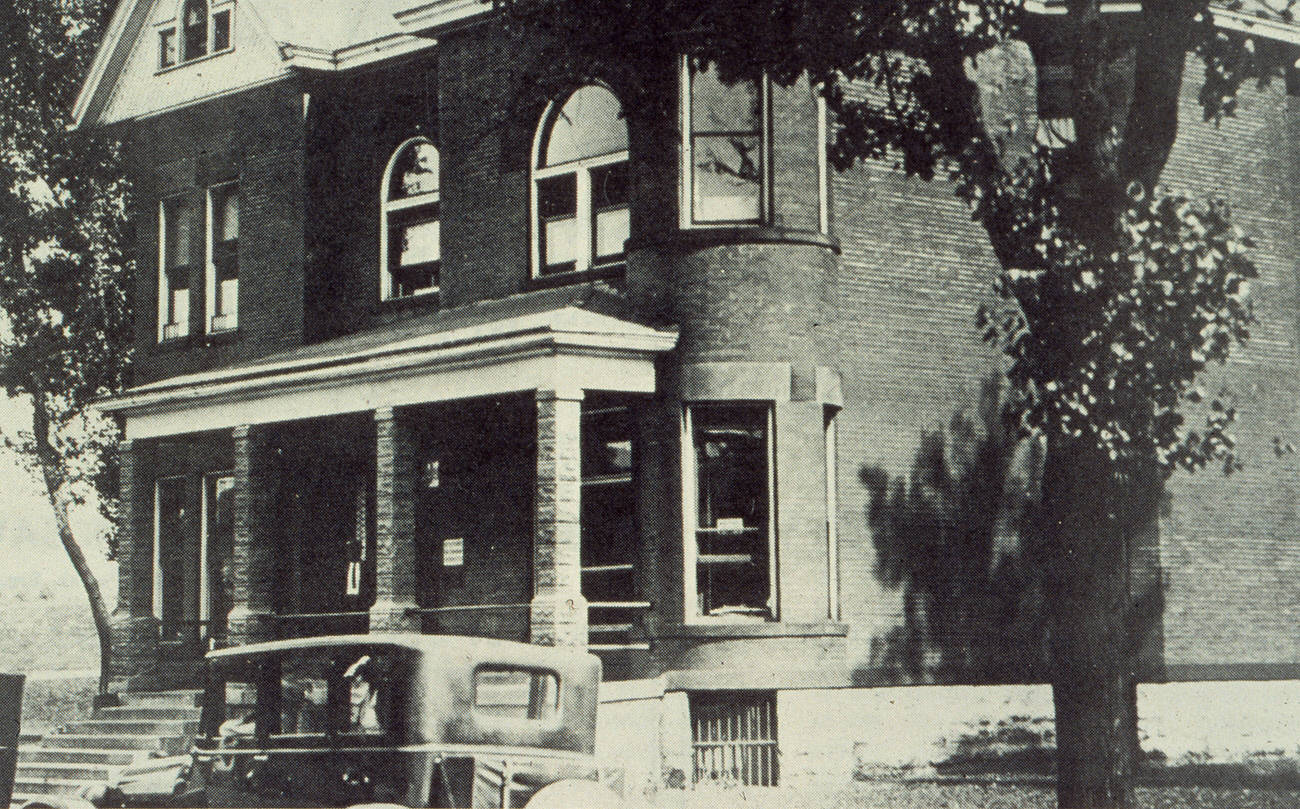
(568, 348)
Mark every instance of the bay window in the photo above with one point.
(725, 151)
(580, 184)
(410, 233)
(731, 544)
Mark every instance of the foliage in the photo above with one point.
(63, 272)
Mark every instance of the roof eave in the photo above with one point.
(385, 362)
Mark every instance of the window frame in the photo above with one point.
(210, 269)
(175, 28)
(584, 203)
(686, 183)
(165, 311)
(409, 206)
(690, 515)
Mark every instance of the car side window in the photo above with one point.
(304, 696)
(238, 725)
(368, 679)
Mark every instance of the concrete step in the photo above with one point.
(42, 770)
(153, 712)
(111, 742)
(72, 755)
(178, 698)
(48, 786)
(138, 727)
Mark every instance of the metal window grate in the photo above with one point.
(734, 737)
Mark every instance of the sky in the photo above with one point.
(31, 557)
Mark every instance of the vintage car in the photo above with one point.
(393, 720)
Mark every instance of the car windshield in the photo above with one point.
(306, 692)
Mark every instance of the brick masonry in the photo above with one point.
(889, 303)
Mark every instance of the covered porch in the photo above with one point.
(432, 477)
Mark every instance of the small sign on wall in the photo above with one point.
(453, 552)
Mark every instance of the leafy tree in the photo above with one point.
(1118, 292)
(63, 274)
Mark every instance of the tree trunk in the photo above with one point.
(1093, 666)
(52, 474)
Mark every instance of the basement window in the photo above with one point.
(734, 738)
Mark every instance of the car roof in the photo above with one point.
(441, 645)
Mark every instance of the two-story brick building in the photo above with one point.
(412, 355)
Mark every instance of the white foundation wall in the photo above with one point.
(829, 736)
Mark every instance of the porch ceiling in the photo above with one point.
(528, 342)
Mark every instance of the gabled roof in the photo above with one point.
(337, 34)
(272, 38)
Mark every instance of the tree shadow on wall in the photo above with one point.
(958, 536)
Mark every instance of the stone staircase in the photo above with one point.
(144, 736)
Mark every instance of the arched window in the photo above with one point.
(194, 27)
(410, 239)
(580, 184)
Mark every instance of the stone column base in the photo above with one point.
(558, 620)
(394, 616)
(134, 660)
(245, 626)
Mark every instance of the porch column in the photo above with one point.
(559, 612)
(253, 560)
(395, 580)
(134, 629)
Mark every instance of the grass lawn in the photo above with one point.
(982, 795)
(49, 702)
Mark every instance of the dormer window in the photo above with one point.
(580, 184)
(410, 233)
(195, 25)
(198, 30)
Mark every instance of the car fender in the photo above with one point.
(572, 792)
(58, 802)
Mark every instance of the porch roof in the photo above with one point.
(568, 339)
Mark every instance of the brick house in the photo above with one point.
(413, 356)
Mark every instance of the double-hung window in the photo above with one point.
(178, 246)
(731, 545)
(580, 184)
(725, 151)
(410, 233)
(200, 28)
(222, 275)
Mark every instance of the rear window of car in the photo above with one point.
(516, 693)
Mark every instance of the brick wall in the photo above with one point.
(913, 271)
(255, 137)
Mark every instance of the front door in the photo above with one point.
(474, 507)
(176, 575)
(216, 553)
